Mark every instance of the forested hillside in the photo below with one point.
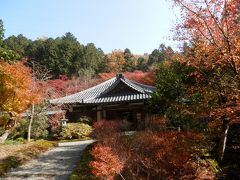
(65, 55)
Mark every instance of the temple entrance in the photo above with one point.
(133, 114)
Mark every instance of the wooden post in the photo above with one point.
(99, 113)
(104, 114)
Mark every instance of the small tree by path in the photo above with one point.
(39, 75)
(16, 94)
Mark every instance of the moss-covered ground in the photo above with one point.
(21, 153)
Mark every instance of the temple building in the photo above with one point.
(115, 99)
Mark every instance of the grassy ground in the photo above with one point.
(83, 171)
(11, 147)
(13, 155)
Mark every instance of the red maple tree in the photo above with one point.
(211, 27)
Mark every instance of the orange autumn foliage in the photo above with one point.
(16, 88)
(116, 60)
(212, 27)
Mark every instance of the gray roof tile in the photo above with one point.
(97, 94)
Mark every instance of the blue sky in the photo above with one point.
(140, 25)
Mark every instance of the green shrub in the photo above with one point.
(39, 127)
(20, 131)
(75, 131)
(38, 131)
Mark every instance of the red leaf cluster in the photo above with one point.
(105, 129)
(106, 163)
(154, 155)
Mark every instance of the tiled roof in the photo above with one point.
(99, 93)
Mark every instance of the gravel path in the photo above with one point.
(55, 164)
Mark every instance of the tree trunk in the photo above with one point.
(30, 123)
(223, 140)
(11, 125)
(4, 136)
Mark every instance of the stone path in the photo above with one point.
(56, 164)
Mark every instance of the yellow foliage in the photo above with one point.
(116, 61)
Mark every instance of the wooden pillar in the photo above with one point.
(104, 114)
(139, 120)
(99, 113)
(146, 120)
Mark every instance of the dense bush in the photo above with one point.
(149, 154)
(74, 131)
(165, 155)
(39, 128)
(20, 131)
(106, 163)
(104, 129)
(108, 128)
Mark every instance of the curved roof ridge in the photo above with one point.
(110, 88)
(125, 81)
(135, 82)
(144, 85)
(132, 85)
